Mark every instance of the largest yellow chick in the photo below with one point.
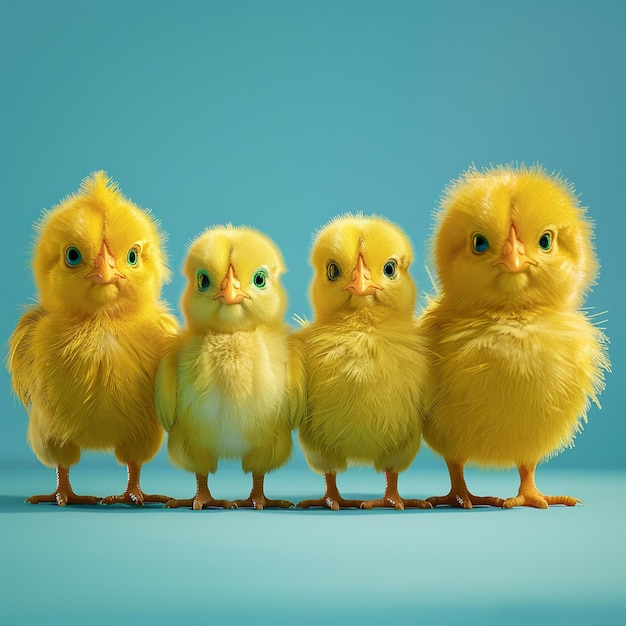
(232, 385)
(517, 362)
(84, 359)
(366, 365)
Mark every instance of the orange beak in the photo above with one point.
(104, 271)
(513, 258)
(361, 283)
(230, 292)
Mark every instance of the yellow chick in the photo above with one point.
(366, 364)
(84, 359)
(232, 385)
(517, 362)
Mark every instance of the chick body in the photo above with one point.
(366, 363)
(83, 361)
(518, 362)
(232, 385)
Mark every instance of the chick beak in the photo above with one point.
(104, 270)
(230, 292)
(513, 258)
(361, 283)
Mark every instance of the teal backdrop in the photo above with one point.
(282, 114)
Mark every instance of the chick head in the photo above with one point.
(233, 278)
(361, 262)
(98, 252)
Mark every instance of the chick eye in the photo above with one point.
(259, 280)
(480, 243)
(132, 258)
(332, 270)
(545, 241)
(390, 269)
(203, 280)
(73, 257)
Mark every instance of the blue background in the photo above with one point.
(281, 115)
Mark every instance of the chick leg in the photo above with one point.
(459, 495)
(529, 495)
(257, 499)
(332, 498)
(203, 498)
(133, 493)
(392, 498)
(63, 494)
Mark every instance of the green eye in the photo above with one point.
(332, 270)
(259, 280)
(73, 257)
(390, 269)
(480, 243)
(203, 280)
(545, 241)
(132, 258)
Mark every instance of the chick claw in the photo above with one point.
(465, 501)
(199, 502)
(539, 501)
(260, 503)
(334, 503)
(136, 497)
(62, 497)
(396, 502)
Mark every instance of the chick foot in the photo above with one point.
(392, 499)
(64, 493)
(529, 495)
(459, 495)
(202, 500)
(133, 493)
(332, 498)
(257, 500)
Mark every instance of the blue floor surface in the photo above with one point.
(126, 565)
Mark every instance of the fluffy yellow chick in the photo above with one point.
(366, 364)
(518, 361)
(84, 359)
(232, 385)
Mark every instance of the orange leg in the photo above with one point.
(332, 498)
(392, 498)
(529, 495)
(203, 498)
(133, 493)
(459, 495)
(257, 499)
(63, 494)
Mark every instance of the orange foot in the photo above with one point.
(203, 498)
(64, 493)
(459, 495)
(133, 493)
(392, 499)
(135, 496)
(63, 497)
(529, 495)
(257, 500)
(332, 498)
(201, 501)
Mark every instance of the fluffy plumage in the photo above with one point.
(232, 385)
(84, 359)
(366, 364)
(517, 361)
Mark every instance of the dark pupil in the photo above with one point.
(72, 255)
(389, 269)
(204, 281)
(132, 257)
(545, 241)
(259, 279)
(480, 242)
(333, 270)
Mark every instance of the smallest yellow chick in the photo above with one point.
(232, 386)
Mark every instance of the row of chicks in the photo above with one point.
(499, 370)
